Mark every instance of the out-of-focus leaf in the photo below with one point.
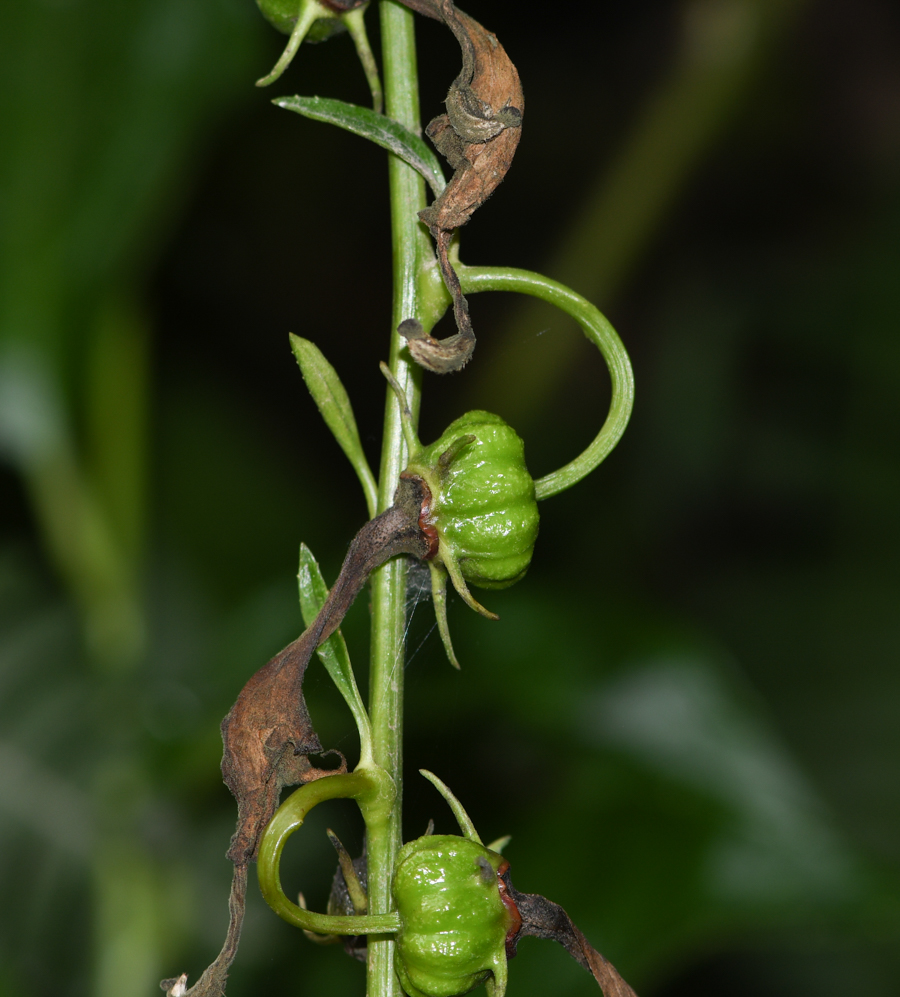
(679, 717)
(379, 129)
(105, 106)
(331, 398)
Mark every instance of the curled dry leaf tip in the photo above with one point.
(478, 137)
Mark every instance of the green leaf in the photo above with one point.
(333, 652)
(379, 129)
(331, 398)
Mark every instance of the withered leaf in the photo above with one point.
(544, 919)
(478, 136)
(268, 734)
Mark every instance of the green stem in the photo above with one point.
(407, 191)
(599, 332)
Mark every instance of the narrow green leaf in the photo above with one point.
(331, 398)
(333, 652)
(379, 129)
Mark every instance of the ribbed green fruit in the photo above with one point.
(483, 504)
(454, 922)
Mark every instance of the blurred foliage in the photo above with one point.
(687, 714)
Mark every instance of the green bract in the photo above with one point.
(453, 921)
(483, 504)
(316, 20)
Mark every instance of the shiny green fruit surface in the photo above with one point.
(454, 922)
(483, 502)
(281, 14)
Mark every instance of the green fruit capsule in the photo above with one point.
(284, 14)
(479, 513)
(454, 922)
(482, 499)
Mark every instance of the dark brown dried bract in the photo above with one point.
(544, 919)
(478, 137)
(340, 902)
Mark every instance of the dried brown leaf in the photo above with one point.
(478, 136)
(481, 130)
(268, 734)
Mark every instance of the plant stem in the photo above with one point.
(407, 192)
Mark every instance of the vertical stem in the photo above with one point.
(407, 191)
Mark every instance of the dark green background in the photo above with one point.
(687, 716)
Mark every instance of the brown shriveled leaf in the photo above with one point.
(544, 919)
(478, 136)
(481, 130)
(268, 734)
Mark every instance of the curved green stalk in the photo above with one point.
(598, 331)
(310, 11)
(357, 28)
(372, 790)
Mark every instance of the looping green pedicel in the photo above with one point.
(374, 793)
(599, 331)
(482, 506)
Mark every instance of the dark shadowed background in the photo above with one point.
(687, 716)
